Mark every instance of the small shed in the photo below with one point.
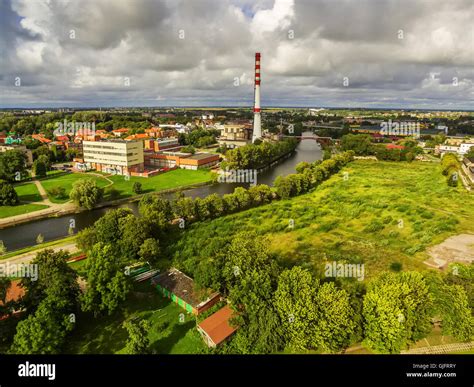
(216, 328)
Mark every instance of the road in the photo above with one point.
(28, 257)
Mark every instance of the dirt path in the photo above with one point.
(458, 248)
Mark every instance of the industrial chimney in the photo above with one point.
(257, 126)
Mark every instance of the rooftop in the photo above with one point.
(217, 326)
(14, 292)
(178, 283)
(201, 156)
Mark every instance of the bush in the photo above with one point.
(58, 192)
(137, 188)
(396, 266)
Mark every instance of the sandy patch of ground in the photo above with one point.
(458, 248)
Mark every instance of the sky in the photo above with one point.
(416, 54)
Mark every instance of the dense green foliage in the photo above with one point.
(310, 175)
(362, 145)
(107, 284)
(12, 165)
(138, 342)
(257, 156)
(450, 167)
(50, 302)
(397, 311)
(85, 193)
(8, 195)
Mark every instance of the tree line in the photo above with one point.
(450, 168)
(362, 145)
(253, 156)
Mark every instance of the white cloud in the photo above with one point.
(140, 39)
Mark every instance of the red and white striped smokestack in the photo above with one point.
(257, 126)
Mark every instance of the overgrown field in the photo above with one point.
(382, 214)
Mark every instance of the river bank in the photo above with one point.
(56, 227)
(70, 208)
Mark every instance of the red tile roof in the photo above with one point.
(394, 146)
(217, 326)
(14, 292)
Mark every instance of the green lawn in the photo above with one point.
(66, 181)
(27, 192)
(385, 212)
(6, 211)
(105, 335)
(164, 181)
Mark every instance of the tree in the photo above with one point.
(361, 144)
(133, 232)
(8, 195)
(56, 280)
(250, 277)
(43, 332)
(39, 168)
(295, 301)
(45, 159)
(138, 342)
(107, 285)
(12, 164)
(137, 188)
(452, 301)
(283, 187)
(188, 149)
(396, 310)
(86, 193)
(313, 316)
(456, 313)
(86, 238)
(300, 167)
(107, 228)
(335, 318)
(150, 250)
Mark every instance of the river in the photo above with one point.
(24, 235)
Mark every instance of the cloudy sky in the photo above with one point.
(367, 53)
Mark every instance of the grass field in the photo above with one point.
(384, 213)
(27, 192)
(66, 181)
(7, 211)
(168, 180)
(105, 335)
